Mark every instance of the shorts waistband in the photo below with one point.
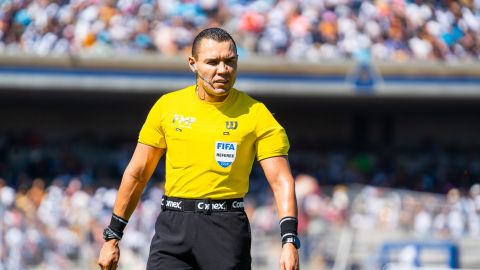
(202, 205)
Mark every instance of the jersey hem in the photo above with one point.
(272, 155)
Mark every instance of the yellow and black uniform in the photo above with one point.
(210, 149)
(211, 146)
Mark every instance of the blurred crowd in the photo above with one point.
(414, 216)
(57, 196)
(298, 29)
(60, 227)
(98, 161)
(427, 167)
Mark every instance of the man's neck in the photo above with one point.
(205, 96)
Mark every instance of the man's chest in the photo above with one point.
(200, 127)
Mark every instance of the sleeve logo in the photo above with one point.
(225, 153)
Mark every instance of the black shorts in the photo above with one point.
(189, 240)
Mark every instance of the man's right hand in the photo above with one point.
(109, 255)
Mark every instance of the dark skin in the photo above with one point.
(216, 62)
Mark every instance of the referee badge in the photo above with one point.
(225, 153)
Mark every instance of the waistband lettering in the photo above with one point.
(215, 206)
(176, 205)
(237, 204)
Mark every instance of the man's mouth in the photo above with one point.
(221, 81)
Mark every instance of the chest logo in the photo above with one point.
(231, 124)
(183, 121)
(225, 153)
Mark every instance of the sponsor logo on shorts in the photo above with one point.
(176, 205)
(214, 206)
(237, 204)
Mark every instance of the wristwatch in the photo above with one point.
(109, 234)
(292, 239)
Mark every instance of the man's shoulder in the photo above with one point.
(246, 98)
(178, 94)
(172, 99)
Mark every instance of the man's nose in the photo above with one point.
(222, 68)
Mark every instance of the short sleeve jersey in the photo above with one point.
(210, 147)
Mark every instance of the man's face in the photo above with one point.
(216, 63)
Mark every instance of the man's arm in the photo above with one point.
(136, 175)
(279, 176)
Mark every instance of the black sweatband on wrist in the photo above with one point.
(117, 224)
(288, 226)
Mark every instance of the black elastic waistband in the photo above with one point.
(201, 205)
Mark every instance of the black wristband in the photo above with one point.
(288, 226)
(117, 224)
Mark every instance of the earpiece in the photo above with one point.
(195, 70)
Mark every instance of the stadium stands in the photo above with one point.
(101, 162)
(300, 30)
(56, 194)
(59, 226)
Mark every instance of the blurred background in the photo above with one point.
(380, 99)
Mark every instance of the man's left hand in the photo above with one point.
(289, 258)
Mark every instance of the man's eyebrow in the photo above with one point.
(217, 58)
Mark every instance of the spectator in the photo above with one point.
(299, 30)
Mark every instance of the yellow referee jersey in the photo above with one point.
(210, 147)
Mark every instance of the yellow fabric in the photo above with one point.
(211, 146)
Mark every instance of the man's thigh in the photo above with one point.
(222, 241)
(170, 247)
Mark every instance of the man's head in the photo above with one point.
(214, 61)
(216, 34)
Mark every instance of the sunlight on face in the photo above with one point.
(217, 65)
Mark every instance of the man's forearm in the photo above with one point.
(284, 193)
(128, 195)
(277, 171)
(136, 175)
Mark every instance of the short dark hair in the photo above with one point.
(214, 33)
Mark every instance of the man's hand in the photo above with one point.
(289, 258)
(109, 255)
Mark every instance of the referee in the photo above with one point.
(211, 133)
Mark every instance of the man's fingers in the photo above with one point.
(290, 264)
(108, 265)
(104, 266)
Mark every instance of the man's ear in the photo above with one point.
(191, 64)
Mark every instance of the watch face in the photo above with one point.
(294, 240)
(297, 242)
(107, 235)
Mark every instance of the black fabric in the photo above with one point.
(189, 240)
(117, 224)
(202, 206)
(288, 225)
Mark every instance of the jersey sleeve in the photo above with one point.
(152, 131)
(272, 139)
